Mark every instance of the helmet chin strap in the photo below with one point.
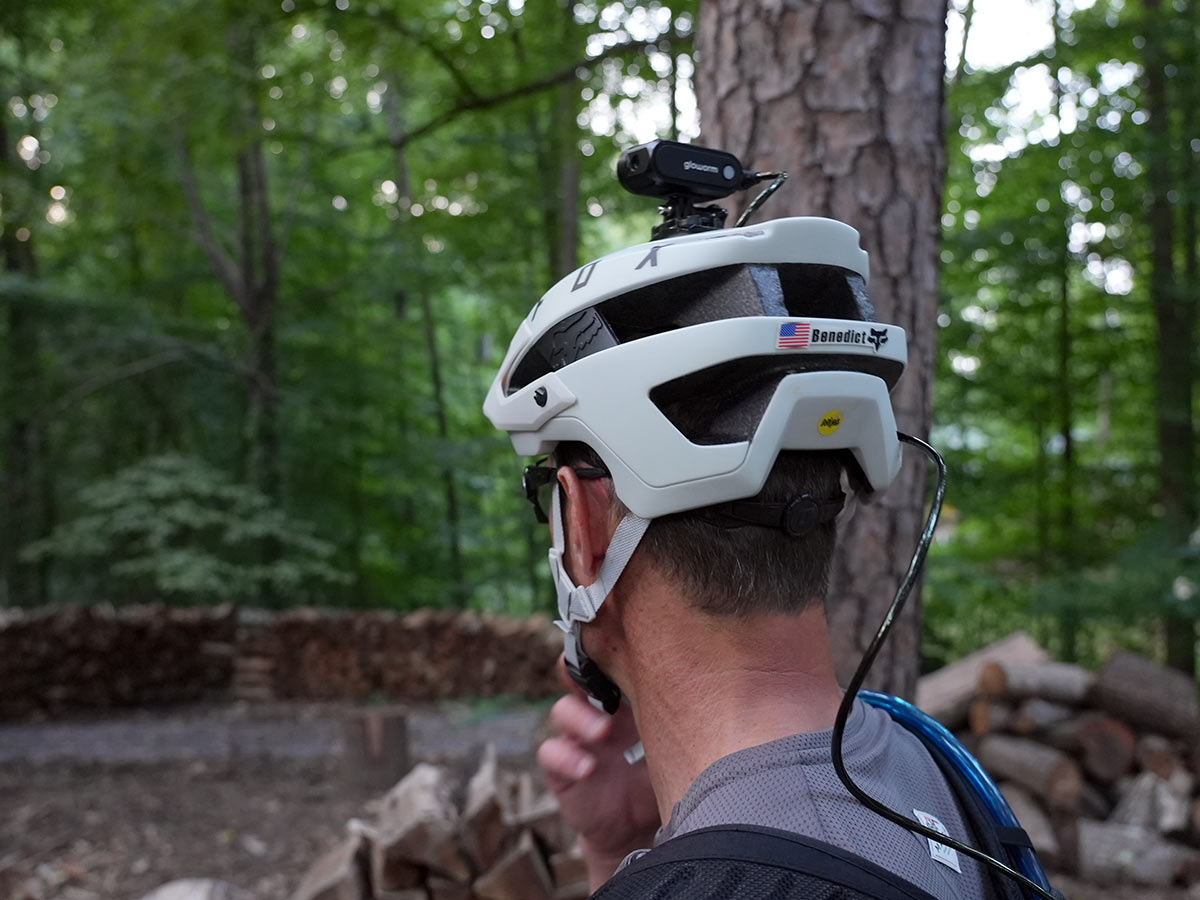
(578, 604)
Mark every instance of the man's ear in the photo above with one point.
(586, 524)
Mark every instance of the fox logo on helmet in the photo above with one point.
(878, 337)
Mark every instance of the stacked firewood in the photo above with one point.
(499, 839)
(1101, 768)
(96, 656)
(430, 654)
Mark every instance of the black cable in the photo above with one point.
(843, 714)
(780, 178)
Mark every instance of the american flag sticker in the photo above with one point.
(793, 334)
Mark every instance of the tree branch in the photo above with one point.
(267, 248)
(567, 73)
(223, 264)
(961, 63)
(391, 20)
(245, 212)
(99, 382)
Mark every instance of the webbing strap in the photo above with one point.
(580, 603)
(812, 863)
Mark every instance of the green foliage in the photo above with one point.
(175, 529)
(1046, 390)
(414, 163)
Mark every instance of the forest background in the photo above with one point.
(261, 261)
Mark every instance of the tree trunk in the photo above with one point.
(848, 97)
(22, 518)
(405, 241)
(1041, 479)
(1068, 614)
(259, 265)
(249, 270)
(553, 137)
(565, 140)
(1175, 318)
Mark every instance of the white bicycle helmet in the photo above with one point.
(765, 330)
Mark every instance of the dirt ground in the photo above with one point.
(120, 830)
(93, 808)
(113, 807)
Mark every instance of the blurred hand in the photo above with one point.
(609, 802)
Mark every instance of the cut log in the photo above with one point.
(1147, 695)
(417, 827)
(338, 875)
(1066, 830)
(1104, 745)
(375, 742)
(1163, 805)
(1111, 852)
(987, 716)
(1036, 715)
(1157, 754)
(483, 828)
(946, 693)
(1035, 822)
(543, 818)
(1094, 803)
(385, 870)
(1136, 806)
(1047, 772)
(521, 874)
(1055, 681)
(524, 794)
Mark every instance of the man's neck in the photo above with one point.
(714, 686)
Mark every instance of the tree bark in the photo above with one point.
(848, 97)
(1175, 320)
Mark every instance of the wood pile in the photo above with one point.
(496, 838)
(430, 654)
(1101, 768)
(95, 656)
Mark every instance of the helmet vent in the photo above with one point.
(728, 292)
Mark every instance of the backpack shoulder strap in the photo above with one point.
(994, 828)
(746, 862)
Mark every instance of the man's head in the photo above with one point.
(729, 568)
(722, 380)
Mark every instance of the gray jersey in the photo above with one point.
(791, 784)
